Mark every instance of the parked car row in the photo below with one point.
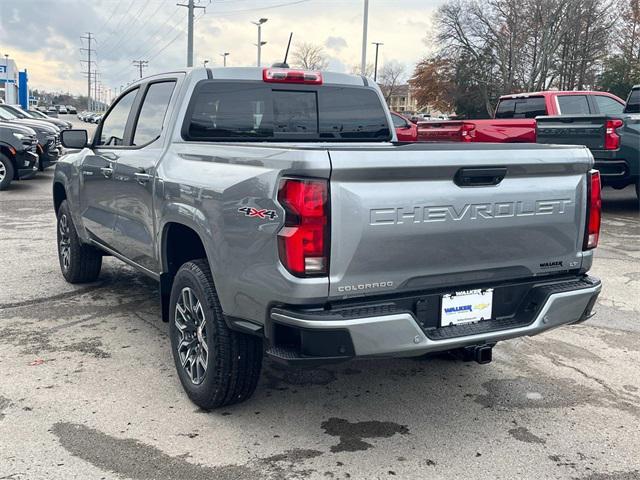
(63, 109)
(29, 141)
(90, 117)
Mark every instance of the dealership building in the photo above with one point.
(13, 83)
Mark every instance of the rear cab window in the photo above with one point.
(633, 102)
(526, 107)
(254, 111)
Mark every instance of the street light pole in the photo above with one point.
(365, 22)
(375, 68)
(260, 42)
(224, 58)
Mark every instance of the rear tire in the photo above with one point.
(80, 263)
(216, 365)
(6, 172)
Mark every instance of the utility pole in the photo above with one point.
(260, 43)
(191, 6)
(365, 23)
(89, 50)
(224, 57)
(375, 68)
(140, 64)
(95, 91)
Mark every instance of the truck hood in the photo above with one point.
(13, 128)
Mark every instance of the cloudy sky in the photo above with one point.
(43, 36)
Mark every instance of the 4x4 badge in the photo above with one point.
(255, 213)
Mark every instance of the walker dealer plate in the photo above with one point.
(468, 306)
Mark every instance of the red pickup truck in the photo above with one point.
(514, 119)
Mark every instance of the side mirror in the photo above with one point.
(76, 139)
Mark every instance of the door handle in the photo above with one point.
(107, 172)
(142, 177)
(479, 177)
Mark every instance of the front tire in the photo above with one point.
(6, 172)
(216, 365)
(79, 263)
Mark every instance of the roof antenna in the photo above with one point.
(286, 55)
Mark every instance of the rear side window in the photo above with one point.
(154, 109)
(253, 111)
(633, 102)
(573, 104)
(607, 105)
(115, 123)
(529, 107)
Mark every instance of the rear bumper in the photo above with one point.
(615, 170)
(399, 334)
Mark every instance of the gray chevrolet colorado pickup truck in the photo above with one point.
(280, 216)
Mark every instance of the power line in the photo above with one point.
(174, 39)
(117, 9)
(129, 26)
(149, 39)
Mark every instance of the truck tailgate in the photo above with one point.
(417, 216)
(446, 131)
(587, 130)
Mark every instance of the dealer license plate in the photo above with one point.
(468, 306)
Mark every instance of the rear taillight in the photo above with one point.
(611, 137)
(284, 75)
(594, 207)
(467, 132)
(304, 240)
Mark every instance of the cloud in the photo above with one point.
(43, 36)
(335, 43)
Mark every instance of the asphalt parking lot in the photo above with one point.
(88, 388)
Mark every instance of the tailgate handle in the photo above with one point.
(479, 177)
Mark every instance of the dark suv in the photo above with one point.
(18, 156)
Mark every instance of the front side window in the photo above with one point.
(398, 121)
(154, 109)
(607, 105)
(573, 105)
(115, 123)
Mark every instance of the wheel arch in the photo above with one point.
(180, 243)
(59, 195)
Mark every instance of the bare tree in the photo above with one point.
(506, 46)
(309, 57)
(355, 70)
(390, 77)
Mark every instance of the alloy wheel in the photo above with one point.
(190, 321)
(65, 241)
(3, 171)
